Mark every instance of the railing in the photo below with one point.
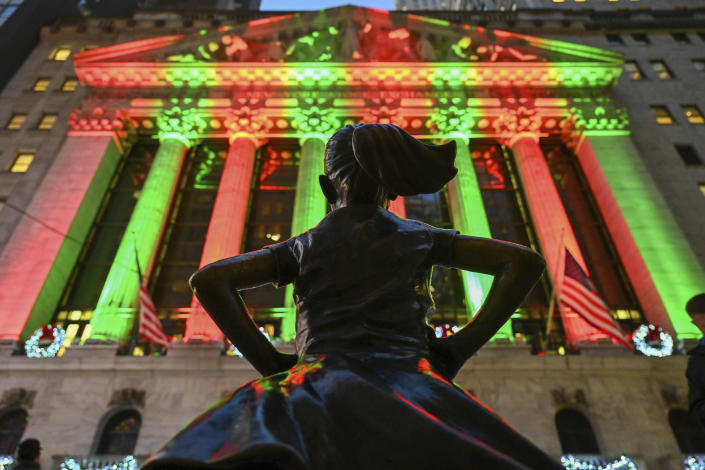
(96, 462)
(599, 462)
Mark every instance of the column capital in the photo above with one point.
(510, 141)
(517, 123)
(452, 121)
(245, 122)
(315, 121)
(183, 124)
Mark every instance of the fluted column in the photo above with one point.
(226, 227)
(468, 215)
(551, 222)
(657, 257)
(114, 315)
(309, 209)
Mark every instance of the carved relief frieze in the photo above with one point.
(569, 398)
(127, 397)
(97, 117)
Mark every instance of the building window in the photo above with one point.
(185, 236)
(699, 65)
(702, 188)
(70, 84)
(42, 84)
(680, 38)
(446, 284)
(614, 39)
(606, 270)
(47, 122)
(118, 435)
(693, 114)
(60, 54)
(688, 154)
(16, 121)
(508, 219)
(269, 219)
(12, 425)
(661, 69)
(662, 115)
(702, 35)
(641, 39)
(575, 433)
(690, 438)
(633, 70)
(21, 162)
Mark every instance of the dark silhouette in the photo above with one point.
(696, 364)
(28, 453)
(371, 384)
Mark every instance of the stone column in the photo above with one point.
(38, 258)
(226, 227)
(550, 221)
(309, 209)
(114, 316)
(659, 261)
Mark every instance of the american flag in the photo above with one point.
(578, 293)
(150, 328)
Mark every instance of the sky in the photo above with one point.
(280, 5)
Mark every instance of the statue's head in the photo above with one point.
(374, 163)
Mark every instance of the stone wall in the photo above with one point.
(626, 398)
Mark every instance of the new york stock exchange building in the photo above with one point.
(175, 143)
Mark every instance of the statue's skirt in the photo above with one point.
(351, 411)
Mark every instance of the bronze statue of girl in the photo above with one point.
(371, 386)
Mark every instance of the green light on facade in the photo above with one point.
(669, 258)
(309, 209)
(114, 316)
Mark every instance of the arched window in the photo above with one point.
(12, 424)
(119, 431)
(690, 437)
(575, 433)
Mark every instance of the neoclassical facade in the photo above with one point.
(189, 147)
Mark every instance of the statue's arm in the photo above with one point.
(216, 287)
(515, 268)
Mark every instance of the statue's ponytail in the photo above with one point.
(400, 162)
(367, 162)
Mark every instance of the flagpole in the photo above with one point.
(136, 324)
(554, 289)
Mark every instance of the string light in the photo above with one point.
(6, 462)
(128, 463)
(622, 463)
(694, 462)
(33, 349)
(447, 329)
(643, 346)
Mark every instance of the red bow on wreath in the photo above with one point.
(47, 333)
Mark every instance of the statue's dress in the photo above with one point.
(363, 395)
